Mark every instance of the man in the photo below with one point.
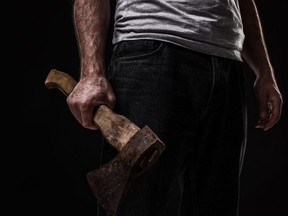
(176, 66)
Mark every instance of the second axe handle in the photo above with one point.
(116, 129)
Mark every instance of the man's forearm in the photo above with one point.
(254, 51)
(91, 23)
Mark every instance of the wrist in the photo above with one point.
(93, 69)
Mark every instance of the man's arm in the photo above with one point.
(256, 55)
(91, 23)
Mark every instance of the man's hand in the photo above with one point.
(270, 102)
(89, 93)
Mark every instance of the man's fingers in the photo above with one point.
(276, 107)
(273, 114)
(265, 115)
(263, 107)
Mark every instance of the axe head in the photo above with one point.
(138, 149)
(111, 181)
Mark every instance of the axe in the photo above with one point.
(138, 149)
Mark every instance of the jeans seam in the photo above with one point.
(213, 79)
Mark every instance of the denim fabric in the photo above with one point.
(196, 104)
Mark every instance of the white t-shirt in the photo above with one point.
(210, 26)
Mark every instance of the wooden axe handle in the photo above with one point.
(116, 129)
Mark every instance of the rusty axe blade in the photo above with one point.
(138, 149)
(108, 184)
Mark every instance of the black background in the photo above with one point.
(59, 152)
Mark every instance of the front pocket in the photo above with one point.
(137, 49)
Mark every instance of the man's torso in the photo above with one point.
(209, 26)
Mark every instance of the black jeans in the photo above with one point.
(196, 104)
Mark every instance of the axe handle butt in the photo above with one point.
(116, 129)
(60, 80)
